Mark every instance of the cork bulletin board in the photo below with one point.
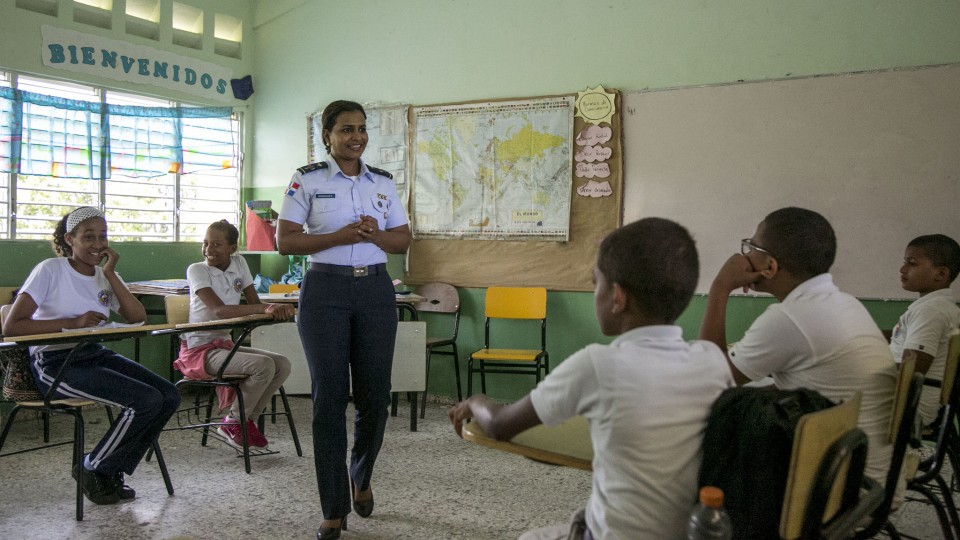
(595, 210)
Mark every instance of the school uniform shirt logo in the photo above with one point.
(898, 329)
(292, 188)
(237, 284)
(103, 297)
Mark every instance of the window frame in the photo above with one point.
(11, 79)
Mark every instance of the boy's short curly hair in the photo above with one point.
(941, 250)
(802, 241)
(655, 260)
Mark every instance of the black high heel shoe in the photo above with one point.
(362, 508)
(332, 533)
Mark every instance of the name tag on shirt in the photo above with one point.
(325, 196)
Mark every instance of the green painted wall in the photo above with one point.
(305, 53)
(436, 51)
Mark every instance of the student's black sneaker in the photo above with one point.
(123, 490)
(99, 488)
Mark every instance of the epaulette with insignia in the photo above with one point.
(381, 172)
(312, 167)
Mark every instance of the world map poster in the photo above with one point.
(497, 170)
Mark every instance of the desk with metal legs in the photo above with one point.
(51, 403)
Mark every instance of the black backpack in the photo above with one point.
(746, 453)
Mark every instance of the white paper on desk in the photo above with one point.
(103, 326)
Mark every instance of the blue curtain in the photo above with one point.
(44, 135)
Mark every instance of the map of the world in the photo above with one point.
(499, 170)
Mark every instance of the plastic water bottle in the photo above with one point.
(709, 520)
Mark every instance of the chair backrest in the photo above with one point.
(283, 288)
(441, 298)
(950, 368)
(438, 298)
(908, 367)
(814, 435)
(843, 463)
(516, 303)
(178, 308)
(906, 401)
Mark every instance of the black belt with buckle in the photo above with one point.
(352, 271)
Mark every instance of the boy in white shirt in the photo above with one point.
(930, 264)
(816, 337)
(646, 395)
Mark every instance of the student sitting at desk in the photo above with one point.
(816, 337)
(73, 291)
(215, 288)
(646, 396)
(930, 264)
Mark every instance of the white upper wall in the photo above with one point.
(21, 41)
(310, 52)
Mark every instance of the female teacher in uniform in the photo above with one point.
(346, 216)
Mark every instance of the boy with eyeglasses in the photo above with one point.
(816, 337)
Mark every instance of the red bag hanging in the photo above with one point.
(261, 226)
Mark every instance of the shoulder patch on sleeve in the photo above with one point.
(312, 167)
(381, 172)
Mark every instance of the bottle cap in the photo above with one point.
(711, 496)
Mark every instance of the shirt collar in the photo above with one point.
(816, 285)
(939, 293)
(335, 169)
(658, 332)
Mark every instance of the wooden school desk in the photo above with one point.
(567, 444)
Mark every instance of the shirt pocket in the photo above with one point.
(324, 203)
(381, 207)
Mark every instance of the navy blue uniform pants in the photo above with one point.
(145, 399)
(348, 327)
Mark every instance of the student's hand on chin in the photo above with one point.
(109, 259)
(736, 273)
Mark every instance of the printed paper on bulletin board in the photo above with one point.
(564, 266)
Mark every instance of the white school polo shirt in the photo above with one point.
(227, 285)
(647, 397)
(926, 326)
(825, 340)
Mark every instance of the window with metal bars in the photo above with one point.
(160, 170)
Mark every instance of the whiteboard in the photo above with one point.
(878, 154)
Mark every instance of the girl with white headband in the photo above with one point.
(74, 291)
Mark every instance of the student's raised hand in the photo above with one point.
(88, 319)
(735, 273)
(280, 312)
(459, 414)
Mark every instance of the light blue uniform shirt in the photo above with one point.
(325, 200)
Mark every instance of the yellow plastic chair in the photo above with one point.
(510, 303)
(901, 432)
(826, 474)
(927, 477)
